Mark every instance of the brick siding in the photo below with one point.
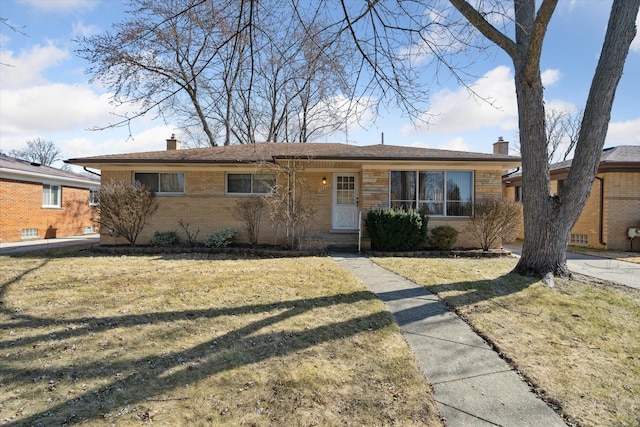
(207, 208)
(21, 208)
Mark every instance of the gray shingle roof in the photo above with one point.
(9, 164)
(612, 157)
(272, 151)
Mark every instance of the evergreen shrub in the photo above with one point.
(220, 238)
(167, 238)
(443, 237)
(396, 230)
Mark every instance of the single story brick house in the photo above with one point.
(340, 182)
(41, 202)
(613, 206)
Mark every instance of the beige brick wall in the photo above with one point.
(622, 208)
(621, 211)
(589, 220)
(205, 206)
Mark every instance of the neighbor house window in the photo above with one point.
(93, 197)
(437, 193)
(51, 196)
(250, 183)
(518, 193)
(161, 182)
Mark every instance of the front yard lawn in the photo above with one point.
(578, 343)
(193, 340)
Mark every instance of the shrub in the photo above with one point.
(192, 237)
(495, 219)
(249, 210)
(396, 230)
(219, 239)
(168, 238)
(443, 237)
(125, 208)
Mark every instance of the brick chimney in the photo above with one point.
(173, 143)
(501, 147)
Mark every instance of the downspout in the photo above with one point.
(601, 227)
(87, 170)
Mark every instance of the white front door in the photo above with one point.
(345, 202)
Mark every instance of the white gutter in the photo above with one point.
(46, 178)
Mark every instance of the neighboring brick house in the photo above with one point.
(42, 202)
(200, 186)
(613, 205)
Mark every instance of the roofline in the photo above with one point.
(275, 158)
(16, 173)
(604, 167)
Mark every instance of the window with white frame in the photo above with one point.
(51, 196)
(436, 193)
(161, 182)
(250, 183)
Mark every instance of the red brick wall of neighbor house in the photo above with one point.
(21, 208)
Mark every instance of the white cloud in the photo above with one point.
(455, 144)
(635, 44)
(51, 107)
(492, 104)
(26, 69)
(550, 77)
(624, 133)
(60, 5)
(560, 105)
(82, 30)
(105, 142)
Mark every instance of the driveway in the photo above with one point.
(43, 244)
(625, 273)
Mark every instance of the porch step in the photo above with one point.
(342, 248)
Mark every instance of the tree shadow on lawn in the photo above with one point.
(158, 374)
(437, 303)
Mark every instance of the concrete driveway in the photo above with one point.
(44, 244)
(625, 273)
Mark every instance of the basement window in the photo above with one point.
(29, 233)
(579, 239)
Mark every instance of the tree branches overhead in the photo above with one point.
(231, 71)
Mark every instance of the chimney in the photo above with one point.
(501, 147)
(173, 143)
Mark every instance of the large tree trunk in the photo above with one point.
(548, 219)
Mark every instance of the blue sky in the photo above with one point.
(44, 91)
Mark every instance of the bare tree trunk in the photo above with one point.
(548, 226)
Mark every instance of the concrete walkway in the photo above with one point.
(473, 385)
(44, 244)
(612, 270)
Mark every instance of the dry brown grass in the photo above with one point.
(192, 340)
(579, 343)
